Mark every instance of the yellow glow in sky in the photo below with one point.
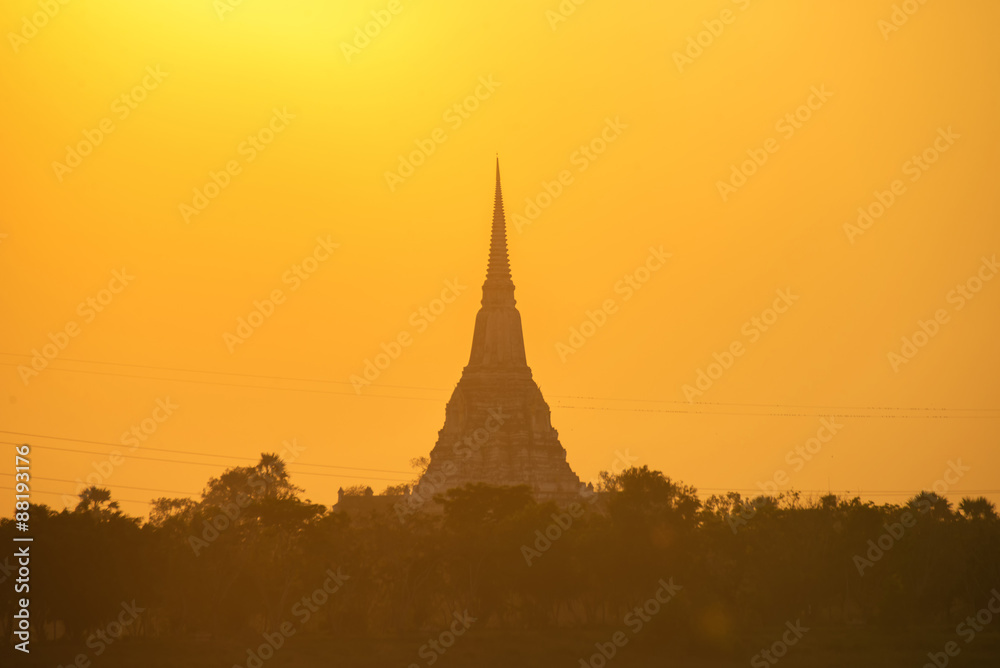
(814, 182)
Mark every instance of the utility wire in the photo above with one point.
(175, 461)
(440, 389)
(188, 452)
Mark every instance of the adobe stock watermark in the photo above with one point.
(248, 149)
(7, 568)
(779, 648)
(563, 521)
(895, 531)
(434, 482)
(420, 320)
(752, 329)
(435, 648)
(121, 108)
(627, 287)
(223, 7)
(899, 17)
(562, 12)
(636, 619)
(959, 296)
(914, 168)
(30, 25)
(135, 436)
(293, 277)
(796, 458)
(431, 483)
(454, 116)
(231, 511)
(581, 158)
(104, 637)
(363, 35)
(59, 340)
(544, 538)
(481, 436)
(968, 629)
(786, 126)
(303, 610)
(801, 454)
(696, 44)
(745, 511)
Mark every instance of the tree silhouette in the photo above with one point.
(235, 560)
(980, 508)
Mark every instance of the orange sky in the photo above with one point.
(300, 121)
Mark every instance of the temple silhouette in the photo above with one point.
(497, 426)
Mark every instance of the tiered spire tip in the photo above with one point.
(498, 270)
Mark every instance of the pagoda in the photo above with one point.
(497, 427)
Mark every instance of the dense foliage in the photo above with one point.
(242, 558)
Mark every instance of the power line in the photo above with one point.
(188, 452)
(772, 414)
(804, 406)
(662, 401)
(946, 494)
(872, 492)
(250, 387)
(42, 491)
(220, 373)
(174, 461)
(589, 408)
(141, 489)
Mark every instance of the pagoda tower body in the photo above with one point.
(497, 427)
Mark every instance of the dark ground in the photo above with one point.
(858, 647)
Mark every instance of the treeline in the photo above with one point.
(252, 555)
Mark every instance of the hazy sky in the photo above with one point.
(176, 163)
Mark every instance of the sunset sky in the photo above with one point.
(176, 162)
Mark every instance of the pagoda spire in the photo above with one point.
(523, 448)
(497, 339)
(498, 288)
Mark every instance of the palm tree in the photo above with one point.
(979, 508)
(92, 500)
